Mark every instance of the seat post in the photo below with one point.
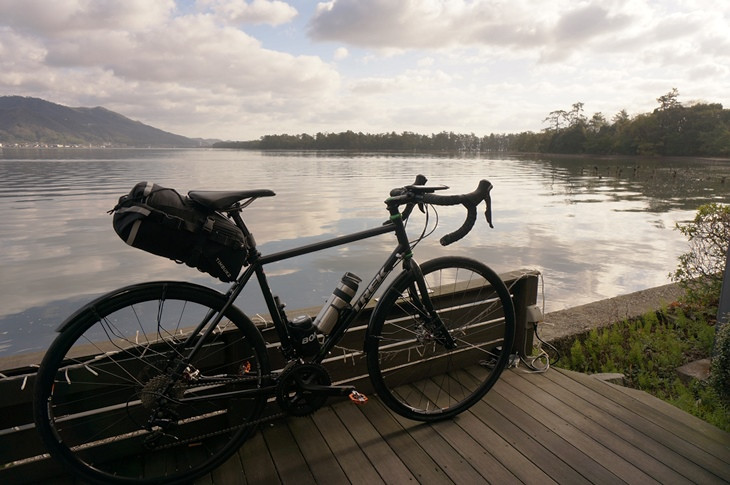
(236, 216)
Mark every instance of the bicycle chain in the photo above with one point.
(255, 422)
(243, 425)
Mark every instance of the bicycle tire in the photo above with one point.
(108, 370)
(412, 372)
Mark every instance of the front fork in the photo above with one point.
(422, 301)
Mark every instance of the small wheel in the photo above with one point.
(290, 395)
(427, 368)
(117, 402)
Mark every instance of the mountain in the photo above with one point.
(35, 121)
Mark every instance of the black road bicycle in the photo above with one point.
(161, 382)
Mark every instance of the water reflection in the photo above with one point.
(595, 228)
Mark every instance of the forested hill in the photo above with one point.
(672, 129)
(28, 121)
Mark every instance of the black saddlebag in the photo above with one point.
(163, 222)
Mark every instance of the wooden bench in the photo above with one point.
(23, 458)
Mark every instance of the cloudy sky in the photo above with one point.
(239, 69)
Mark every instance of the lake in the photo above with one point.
(595, 228)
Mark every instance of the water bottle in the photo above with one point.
(304, 334)
(340, 298)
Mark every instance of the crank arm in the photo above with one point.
(327, 390)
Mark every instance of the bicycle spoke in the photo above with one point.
(122, 382)
(473, 308)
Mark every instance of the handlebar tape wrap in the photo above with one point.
(470, 201)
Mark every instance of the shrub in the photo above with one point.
(720, 368)
(650, 350)
(700, 270)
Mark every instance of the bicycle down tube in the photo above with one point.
(395, 224)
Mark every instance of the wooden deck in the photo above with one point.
(534, 428)
(557, 427)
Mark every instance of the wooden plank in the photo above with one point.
(351, 458)
(489, 467)
(258, 466)
(386, 461)
(585, 465)
(473, 452)
(230, 473)
(693, 462)
(41, 471)
(575, 428)
(321, 462)
(682, 425)
(525, 442)
(446, 457)
(410, 452)
(509, 457)
(706, 429)
(20, 443)
(634, 447)
(286, 455)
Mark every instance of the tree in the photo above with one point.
(556, 118)
(575, 116)
(700, 271)
(669, 100)
(597, 122)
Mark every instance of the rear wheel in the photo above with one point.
(414, 366)
(115, 403)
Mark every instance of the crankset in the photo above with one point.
(304, 388)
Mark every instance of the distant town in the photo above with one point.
(55, 145)
(77, 146)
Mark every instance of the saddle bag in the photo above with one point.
(161, 221)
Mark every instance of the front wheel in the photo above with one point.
(419, 360)
(120, 397)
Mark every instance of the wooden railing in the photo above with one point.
(23, 458)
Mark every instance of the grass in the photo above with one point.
(647, 351)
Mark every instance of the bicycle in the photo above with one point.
(161, 382)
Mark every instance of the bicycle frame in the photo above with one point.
(256, 261)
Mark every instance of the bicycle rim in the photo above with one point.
(411, 368)
(104, 401)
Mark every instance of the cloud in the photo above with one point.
(341, 53)
(272, 12)
(149, 62)
(587, 22)
(241, 69)
(447, 24)
(38, 17)
(550, 32)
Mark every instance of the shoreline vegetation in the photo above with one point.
(649, 350)
(672, 129)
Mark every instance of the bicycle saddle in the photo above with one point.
(225, 199)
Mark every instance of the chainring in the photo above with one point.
(292, 398)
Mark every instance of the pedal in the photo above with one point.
(358, 397)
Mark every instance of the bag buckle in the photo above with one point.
(209, 224)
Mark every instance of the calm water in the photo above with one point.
(594, 228)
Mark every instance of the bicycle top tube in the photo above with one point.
(329, 243)
(409, 196)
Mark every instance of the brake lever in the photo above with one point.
(488, 210)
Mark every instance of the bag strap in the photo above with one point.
(203, 236)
